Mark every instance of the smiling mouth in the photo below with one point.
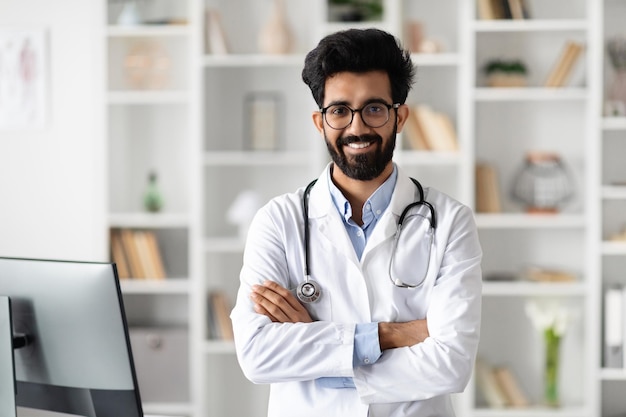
(359, 145)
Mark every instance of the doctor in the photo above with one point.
(386, 328)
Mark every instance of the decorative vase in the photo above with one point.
(276, 36)
(551, 388)
(152, 199)
(543, 183)
(617, 89)
(130, 14)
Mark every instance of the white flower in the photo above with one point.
(548, 314)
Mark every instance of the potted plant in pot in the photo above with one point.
(354, 10)
(506, 73)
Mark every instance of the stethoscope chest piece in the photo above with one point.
(308, 291)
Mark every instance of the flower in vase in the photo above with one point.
(551, 319)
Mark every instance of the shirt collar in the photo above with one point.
(375, 205)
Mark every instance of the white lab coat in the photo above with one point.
(412, 381)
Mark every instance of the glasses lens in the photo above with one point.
(375, 114)
(339, 116)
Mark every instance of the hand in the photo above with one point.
(395, 335)
(278, 303)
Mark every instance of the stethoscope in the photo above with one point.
(309, 291)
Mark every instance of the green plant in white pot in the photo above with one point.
(506, 73)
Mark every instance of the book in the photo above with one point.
(130, 248)
(156, 260)
(218, 310)
(517, 9)
(216, 42)
(488, 385)
(562, 68)
(413, 134)
(614, 327)
(515, 395)
(118, 255)
(137, 254)
(436, 129)
(487, 189)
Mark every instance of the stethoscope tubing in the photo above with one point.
(309, 291)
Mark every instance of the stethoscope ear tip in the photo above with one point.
(398, 282)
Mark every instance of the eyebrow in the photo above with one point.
(368, 101)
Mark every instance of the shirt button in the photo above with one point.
(377, 211)
(359, 233)
(366, 360)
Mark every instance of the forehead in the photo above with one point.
(355, 88)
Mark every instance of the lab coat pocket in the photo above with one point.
(411, 255)
(320, 310)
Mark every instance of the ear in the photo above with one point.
(403, 114)
(318, 121)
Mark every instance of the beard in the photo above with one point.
(364, 166)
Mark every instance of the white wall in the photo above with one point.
(52, 181)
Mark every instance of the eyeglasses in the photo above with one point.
(340, 116)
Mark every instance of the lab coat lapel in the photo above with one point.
(403, 194)
(324, 215)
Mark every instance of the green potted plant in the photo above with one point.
(506, 73)
(355, 10)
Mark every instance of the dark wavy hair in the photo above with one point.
(359, 50)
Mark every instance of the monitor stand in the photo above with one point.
(7, 361)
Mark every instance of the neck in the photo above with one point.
(357, 192)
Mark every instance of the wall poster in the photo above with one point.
(23, 79)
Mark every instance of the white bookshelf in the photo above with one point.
(194, 131)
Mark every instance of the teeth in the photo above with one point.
(359, 145)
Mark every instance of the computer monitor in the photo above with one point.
(7, 364)
(77, 357)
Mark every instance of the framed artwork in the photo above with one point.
(263, 112)
(23, 79)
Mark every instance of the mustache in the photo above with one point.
(345, 140)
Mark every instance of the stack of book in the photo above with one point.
(499, 386)
(503, 9)
(564, 65)
(136, 254)
(218, 310)
(428, 130)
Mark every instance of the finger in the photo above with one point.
(271, 303)
(285, 294)
(259, 309)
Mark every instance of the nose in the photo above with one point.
(357, 125)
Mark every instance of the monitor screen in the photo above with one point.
(78, 358)
(7, 367)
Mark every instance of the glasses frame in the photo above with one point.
(382, 103)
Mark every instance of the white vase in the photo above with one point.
(129, 15)
(276, 37)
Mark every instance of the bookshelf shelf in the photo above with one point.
(526, 289)
(531, 25)
(148, 31)
(151, 286)
(435, 60)
(530, 221)
(531, 94)
(223, 245)
(255, 158)
(614, 123)
(253, 60)
(613, 248)
(532, 412)
(149, 220)
(613, 192)
(148, 97)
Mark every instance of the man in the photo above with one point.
(391, 327)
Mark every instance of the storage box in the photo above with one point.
(161, 358)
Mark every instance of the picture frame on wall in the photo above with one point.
(23, 78)
(263, 130)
